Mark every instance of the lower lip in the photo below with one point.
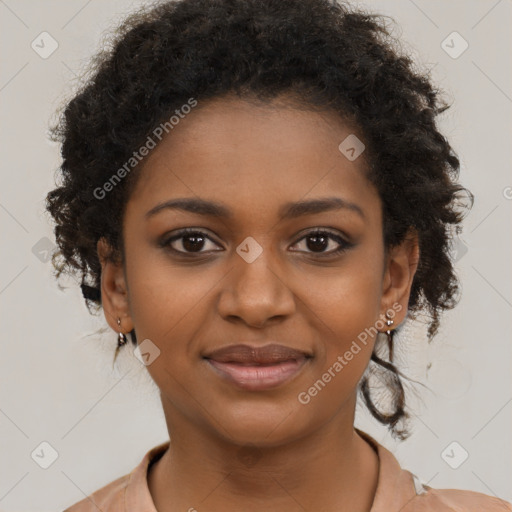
(257, 378)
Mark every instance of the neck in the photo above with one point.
(333, 468)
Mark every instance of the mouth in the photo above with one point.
(257, 368)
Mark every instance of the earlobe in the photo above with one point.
(401, 265)
(114, 294)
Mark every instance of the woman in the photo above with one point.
(256, 193)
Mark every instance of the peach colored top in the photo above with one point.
(398, 490)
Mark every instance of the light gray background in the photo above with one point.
(57, 381)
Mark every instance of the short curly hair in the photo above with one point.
(324, 54)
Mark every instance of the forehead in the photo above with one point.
(253, 157)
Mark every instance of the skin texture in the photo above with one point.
(254, 450)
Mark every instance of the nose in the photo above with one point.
(256, 292)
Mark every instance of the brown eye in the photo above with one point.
(318, 242)
(188, 241)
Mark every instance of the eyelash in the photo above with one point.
(344, 245)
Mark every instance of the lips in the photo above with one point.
(257, 368)
(250, 355)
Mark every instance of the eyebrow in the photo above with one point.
(287, 211)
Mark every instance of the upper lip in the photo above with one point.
(242, 353)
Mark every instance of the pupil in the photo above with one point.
(318, 242)
(193, 246)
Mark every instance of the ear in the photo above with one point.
(114, 291)
(401, 264)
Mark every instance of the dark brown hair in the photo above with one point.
(325, 53)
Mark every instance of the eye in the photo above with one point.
(319, 240)
(187, 241)
(191, 240)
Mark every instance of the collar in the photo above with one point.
(395, 487)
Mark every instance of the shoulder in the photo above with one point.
(130, 490)
(110, 497)
(456, 500)
(399, 489)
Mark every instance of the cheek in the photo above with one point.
(346, 308)
(165, 303)
(163, 295)
(344, 349)
(347, 299)
(170, 305)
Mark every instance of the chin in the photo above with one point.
(262, 427)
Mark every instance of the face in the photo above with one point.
(292, 254)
